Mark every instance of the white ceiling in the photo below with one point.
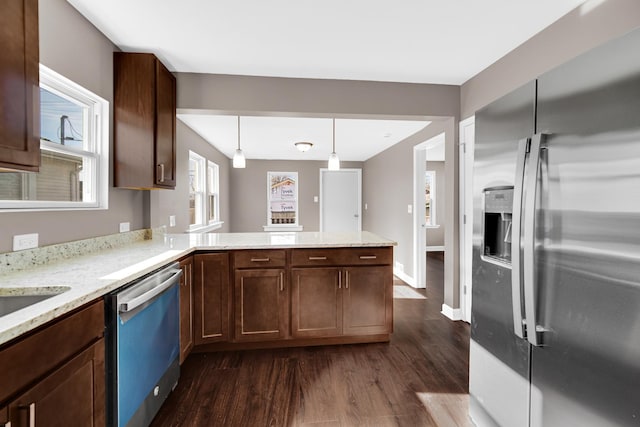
(274, 137)
(419, 41)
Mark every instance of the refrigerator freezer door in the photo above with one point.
(587, 373)
(499, 360)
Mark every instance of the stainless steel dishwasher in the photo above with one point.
(143, 347)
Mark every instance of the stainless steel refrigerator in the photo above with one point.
(555, 324)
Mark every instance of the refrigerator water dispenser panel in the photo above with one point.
(496, 227)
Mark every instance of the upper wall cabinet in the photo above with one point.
(144, 122)
(19, 91)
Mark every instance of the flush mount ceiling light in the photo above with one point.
(303, 146)
(334, 161)
(239, 161)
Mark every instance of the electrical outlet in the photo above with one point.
(25, 241)
(124, 227)
(172, 220)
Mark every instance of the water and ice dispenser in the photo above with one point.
(496, 225)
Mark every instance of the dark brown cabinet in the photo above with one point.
(211, 298)
(261, 295)
(19, 86)
(144, 122)
(4, 416)
(261, 308)
(56, 375)
(341, 292)
(186, 308)
(367, 300)
(316, 302)
(68, 395)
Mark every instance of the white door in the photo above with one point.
(340, 195)
(467, 137)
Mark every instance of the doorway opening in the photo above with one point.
(428, 192)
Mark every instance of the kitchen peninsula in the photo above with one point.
(300, 265)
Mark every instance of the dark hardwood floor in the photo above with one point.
(420, 378)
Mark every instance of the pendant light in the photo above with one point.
(334, 161)
(239, 161)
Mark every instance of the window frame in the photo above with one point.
(432, 199)
(97, 131)
(213, 189)
(207, 168)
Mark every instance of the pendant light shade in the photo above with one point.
(239, 161)
(334, 161)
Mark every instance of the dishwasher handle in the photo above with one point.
(137, 301)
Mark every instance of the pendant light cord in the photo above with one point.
(238, 132)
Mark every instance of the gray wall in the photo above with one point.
(388, 189)
(74, 48)
(248, 191)
(175, 202)
(585, 27)
(435, 236)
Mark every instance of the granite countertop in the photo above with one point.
(95, 274)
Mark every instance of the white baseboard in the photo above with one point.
(451, 313)
(404, 277)
(435, 248)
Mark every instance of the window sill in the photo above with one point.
(206, 228)
(282, 227)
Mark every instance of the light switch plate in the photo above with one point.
(172, 220)
(124, 227)
(25, 241)
(315, 199)
(409, 209)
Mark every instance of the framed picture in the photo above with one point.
(282, 199)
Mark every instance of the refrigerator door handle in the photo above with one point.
(519, 325)
(534, 331)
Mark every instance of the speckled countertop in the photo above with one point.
(97, 273)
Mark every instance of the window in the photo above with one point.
(213, 193)
(204, 194)
(74, 145)
(282, 201)
(196, 190)
(430, 198)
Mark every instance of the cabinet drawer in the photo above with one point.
(341, 256)
(259, 258)
(33, 356)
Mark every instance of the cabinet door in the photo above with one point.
(211, 297)
(165, 149)
(73, 395)
(316, 302)
(368, 300)
(4, 417)
(261, 305)
(19, 87)
(186, 308)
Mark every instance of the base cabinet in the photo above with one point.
(316, 302)
(329, 302)
(211, 297)
(56, 375)
(72, 395)
(186, 308)
(367, 300)
(261, 308)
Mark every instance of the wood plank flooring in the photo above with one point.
(420, 378)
